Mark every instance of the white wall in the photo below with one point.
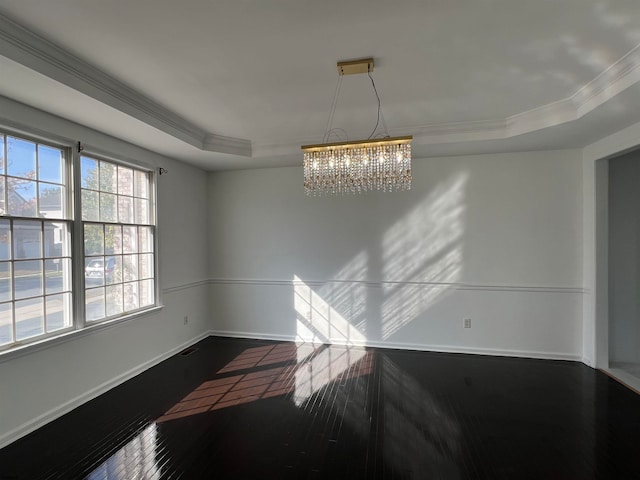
(494, 238)
(624, 258)
(40, 385)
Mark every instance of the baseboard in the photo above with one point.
(417, 346)
(588, 362)
(66, 407)
(494, 352)
(252, 335)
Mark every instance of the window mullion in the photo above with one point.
(77, 241)
(12, 286)
(36, 177)
(43, 268)
(5, 194)
(127, 286)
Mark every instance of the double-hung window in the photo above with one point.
(106, 237)
(35, 259)
(118, 239)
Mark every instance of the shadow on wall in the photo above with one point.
(423, 250)
(420, 261)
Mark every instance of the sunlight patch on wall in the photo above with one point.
(422, 255)
(348, 293)
(332, 317)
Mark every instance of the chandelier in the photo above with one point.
(359, 166)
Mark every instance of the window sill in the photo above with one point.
(72, 335)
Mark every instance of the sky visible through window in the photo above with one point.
(21, 160)
(35, 263)
(36, 284)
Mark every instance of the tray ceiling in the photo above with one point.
(240, 84)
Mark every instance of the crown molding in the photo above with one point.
(21, 45)
(35, 52)
(618, 77)
(622, 74)
(222, 144)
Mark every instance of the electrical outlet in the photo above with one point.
(186, 319)
(467, 323)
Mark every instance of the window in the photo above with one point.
(115, 221)
(118, 239)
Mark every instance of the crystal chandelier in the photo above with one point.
(357, 166)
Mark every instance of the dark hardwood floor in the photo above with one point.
(249, 409)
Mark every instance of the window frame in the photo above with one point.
(79, 245)
(79, 326)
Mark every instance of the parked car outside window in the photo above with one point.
(96, 269)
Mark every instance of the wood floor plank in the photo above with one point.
(253, 409)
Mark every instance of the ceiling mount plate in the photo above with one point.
(351, 67)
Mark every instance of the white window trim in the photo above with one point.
(98, 154)
(79, 326)
(50, 342)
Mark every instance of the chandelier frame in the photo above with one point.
(361, 165)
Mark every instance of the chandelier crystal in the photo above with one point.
(358, 167)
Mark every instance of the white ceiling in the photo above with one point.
(243, 83)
